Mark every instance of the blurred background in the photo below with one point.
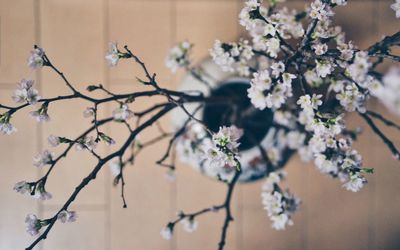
(75, 35)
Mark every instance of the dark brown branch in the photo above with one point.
(383, 119)
(227, 206)
(386, 140)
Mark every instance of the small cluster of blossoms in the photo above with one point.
(41, 114)
(37, 190)
(332, 155)
(88, 142)
(233, 57)
(271, 87)
(320, 10)
(113, 55)
(189, 224)
(42, 159)
(223, 150)
(266, 30)
(122, 113)
(36, 59)
(26, 93)
(67, 216)
(5, 126)
(34, 224)
(280, 205)
(178, 56)
(388, 92)
(216, 156)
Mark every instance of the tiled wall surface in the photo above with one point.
(75, 34)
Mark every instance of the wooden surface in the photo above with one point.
(75, 34)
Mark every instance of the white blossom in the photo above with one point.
(22, 187)
(5, 126)
(324, 165)
(279, 222)
(359, 68)
(273, 47)
(222, 150)
(43, 158)
(388, 91)
(178, 56)
(312, 78)
(305, 102)
(320, 48)
(112, 55)
(88, 143)
(339, 2)
(277, 68)
(42, 194)
(323, 68)
(355, 183)
(53, 140)
(26, 93)
(36, 60)
(88, 112)
(272, 202)
(67, 216)
(115, 167)
(189, 225)
(257, 97)
(122, 113)
(244, 15)
(262, 80)
(396, 7)
(316, 101)
(166, 233)
(228, 137)
(33, 224)
(40, 115)
(273, 179)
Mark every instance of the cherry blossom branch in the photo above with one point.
(97, 168)
(226, 205)
(386, 121)
(377, 131)
(73, 142)
(383, 45)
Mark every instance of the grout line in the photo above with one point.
(107, 176)
(192, 1)
(38, 76)
(173, 188)
(7, 85)
(82, 207)
(1, 44)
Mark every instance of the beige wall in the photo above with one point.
(75, 33)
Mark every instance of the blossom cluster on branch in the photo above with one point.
(299, 66)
